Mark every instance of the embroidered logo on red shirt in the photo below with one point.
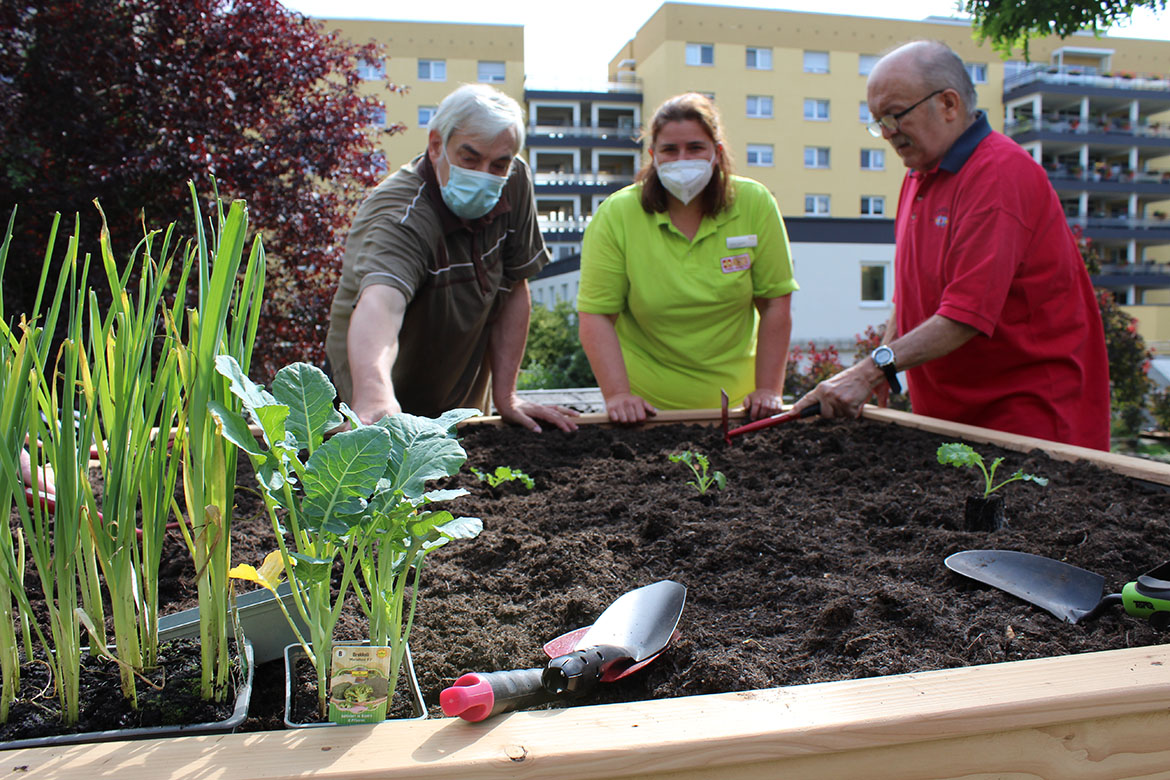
(735, 263)
(941, 219)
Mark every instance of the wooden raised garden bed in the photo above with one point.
(1093, 714)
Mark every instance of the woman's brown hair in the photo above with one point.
(718, 194)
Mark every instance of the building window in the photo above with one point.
(759, 155)
(816, 62)
(873, 283)
(372, 70)
(491, 72)
(759, 106)
(816, 205)
(816, 157)
(425, 113)
(700, 54)
(816, 109)
(978, 72)
(865, 63)
(873, 159)
(759, 58)
(873, 206)
(376, 117)
(432, 70)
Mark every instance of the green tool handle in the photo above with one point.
(1148, 597)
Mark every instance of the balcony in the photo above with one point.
(628, 133)
(1107, 126)
(1149, 230)
(1085, 77)
(586, 180)
(571, 226)
(1144, 275)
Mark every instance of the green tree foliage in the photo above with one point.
(125, 101)
(1008, 24)
(554, 357)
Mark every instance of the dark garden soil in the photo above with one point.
(821, 560)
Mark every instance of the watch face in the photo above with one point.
(883, 355)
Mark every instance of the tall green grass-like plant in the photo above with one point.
(45, 406)
(137, 397)
(350, 502)
(230, 293)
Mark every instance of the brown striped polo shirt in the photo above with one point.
(454, 274)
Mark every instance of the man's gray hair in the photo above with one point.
(479, 110)
(941, 68)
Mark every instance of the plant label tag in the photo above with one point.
(742, 242)
(359, 685)
(735, 263)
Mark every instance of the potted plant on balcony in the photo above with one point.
(358, 501)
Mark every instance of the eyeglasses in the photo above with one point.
(890, 121)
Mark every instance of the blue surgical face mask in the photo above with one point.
(470, 194)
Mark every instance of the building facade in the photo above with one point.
(790, 88)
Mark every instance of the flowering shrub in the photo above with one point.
(819, 364)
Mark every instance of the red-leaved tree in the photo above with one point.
(125, 101)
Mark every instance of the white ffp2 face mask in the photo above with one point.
(684, 179)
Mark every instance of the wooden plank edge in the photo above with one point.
(1139, 468)
(672, 737)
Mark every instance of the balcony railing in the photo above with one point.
(1121, 223)
(1095, 125)
(1135, 269)
(586, 179)
(1064, 173)
(569, 130)
(1086, 77)
(562, 224)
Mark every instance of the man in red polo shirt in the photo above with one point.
(996, 323)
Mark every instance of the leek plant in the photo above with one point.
(136, 397)
(46, 407)
(224, 322)
(344, 501)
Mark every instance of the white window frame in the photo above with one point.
(886, 270)
(372, 70)
(878, 200)
(485, 71)
(873, 159)
(758, 58)
(817, 157)
(820, 205)
(865, 63)
(813, 109)
(377, 116)
(425, 114)
(816, 62)
(695, 52)
(977, 71)
(863, 113)
(760, 155)
(759, 106)
(436, 70)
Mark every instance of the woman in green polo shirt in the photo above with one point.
(686, 278)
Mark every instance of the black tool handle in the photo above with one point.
(480, 695)
(578, 672)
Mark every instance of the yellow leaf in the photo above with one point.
(267, 576)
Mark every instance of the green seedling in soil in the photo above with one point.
(699, 466)
(503, 474)
(960, 455)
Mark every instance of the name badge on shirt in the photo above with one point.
(742, 242)
(735, 263)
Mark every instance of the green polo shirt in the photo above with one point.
(686, 318)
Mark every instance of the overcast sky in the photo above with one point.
(570, 45)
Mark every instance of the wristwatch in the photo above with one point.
(883, 356)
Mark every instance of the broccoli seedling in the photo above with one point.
(697, 463)
(503, 474)
(959, 455)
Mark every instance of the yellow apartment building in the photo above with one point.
(790, 86)
(432, 59)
